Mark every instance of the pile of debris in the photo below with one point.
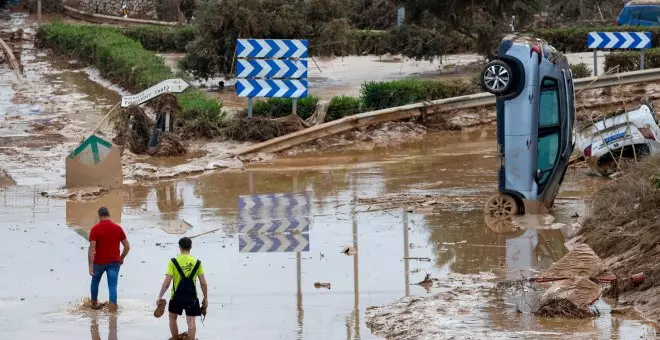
(139, 133)
(624, 230)
(571, 286)
(419, 203)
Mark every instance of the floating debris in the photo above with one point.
(319, 285)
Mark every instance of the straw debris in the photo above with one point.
(132, 128)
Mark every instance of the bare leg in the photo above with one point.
(192, 328)
(174, 329)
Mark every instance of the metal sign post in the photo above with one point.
(272, 69)
(618, 40)
(595, 62)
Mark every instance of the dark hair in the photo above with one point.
(103, 212)
(185, 243)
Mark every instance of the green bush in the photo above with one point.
(160, 38)
(341, 106)
(281, 107)
(386, 94)
(123, 61)
(580, 70)
(574, 39)
(629, 61)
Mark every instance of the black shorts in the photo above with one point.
(192, 310)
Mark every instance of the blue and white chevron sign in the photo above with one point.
(246, 202)
(619, 40)
(290, 243)
(290, 69)
(287, 225)
(271, 48)
(271, 88)
(274, 213)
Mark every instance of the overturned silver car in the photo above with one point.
(626, 136)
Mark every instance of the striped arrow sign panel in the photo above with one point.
(288, 225)
(271, 88)
(290, 243)
(289, 69)
(619, 40)
(281, 199)
(274, 213)
(271, 48)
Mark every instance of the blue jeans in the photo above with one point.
(113, 276)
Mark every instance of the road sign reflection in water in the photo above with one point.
(274, 222)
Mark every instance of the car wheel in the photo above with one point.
(501, 205)
(497, 77)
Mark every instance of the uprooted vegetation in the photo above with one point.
(133, 129)
(624, 229)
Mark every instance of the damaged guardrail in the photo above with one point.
(426, 108)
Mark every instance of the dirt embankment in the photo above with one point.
(624, 230)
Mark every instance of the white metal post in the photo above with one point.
(595, 62)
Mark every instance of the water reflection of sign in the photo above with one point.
(520, 254)
(255, 243)
(165, 86)
(83, 215)
(274, 213)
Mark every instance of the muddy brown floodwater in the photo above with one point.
(267, 295)
(272, 295)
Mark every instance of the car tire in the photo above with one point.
(497, 77)
(501, 205)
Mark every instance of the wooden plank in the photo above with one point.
(13, 63)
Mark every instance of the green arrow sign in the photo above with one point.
(93, 143)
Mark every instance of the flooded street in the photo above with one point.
(320, 283)
(272, 295)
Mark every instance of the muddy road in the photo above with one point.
(272, 295)
(376, 202)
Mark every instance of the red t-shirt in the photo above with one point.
(108, 236)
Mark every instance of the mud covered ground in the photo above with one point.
(406, 199)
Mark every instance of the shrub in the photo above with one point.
(341, 106)
(161, 39)
(580, 70)
(123, 61)
(629, 61)
(386, 94)
(281, 107)
(574, 39)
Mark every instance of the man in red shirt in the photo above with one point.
(103, 256)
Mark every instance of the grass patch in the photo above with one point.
(281, 107)
(386, 94)
(124, 61)
(580, 70)
(629, 61)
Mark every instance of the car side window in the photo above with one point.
(549, 129)
(548, 151)
(549, 104)
(635, 13)
(650, 14)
